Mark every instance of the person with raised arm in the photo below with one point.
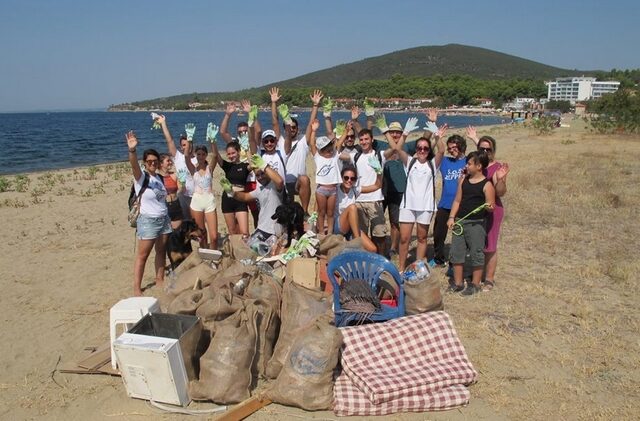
(153, 224)
(203, 203)
(265, 144)
(496, 172)
(179, 160)
(296, 148)
(418, 202)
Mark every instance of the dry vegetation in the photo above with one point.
(556, 339)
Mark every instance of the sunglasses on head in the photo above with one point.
(269, 140)
(485, 149)
(347, 178)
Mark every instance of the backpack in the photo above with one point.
(134, 201)
(359, 153)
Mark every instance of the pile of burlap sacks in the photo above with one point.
(262, 334)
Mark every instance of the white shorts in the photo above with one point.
(409, 216)
(203, 202)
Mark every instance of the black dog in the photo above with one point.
(179, 244)
(290, 215)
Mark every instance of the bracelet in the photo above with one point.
(132, 150)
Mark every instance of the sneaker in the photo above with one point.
(455, 288)
(471, 290)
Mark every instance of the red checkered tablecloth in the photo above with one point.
(349, 400)
(407, 357)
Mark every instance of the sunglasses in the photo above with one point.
(452, 147)
(151, 161)
(347, 178)
(485, 149)
(423, 149)
(351, 137)
(268, 140)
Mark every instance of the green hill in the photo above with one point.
(421, 62)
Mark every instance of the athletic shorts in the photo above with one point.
(175, 210)
(327, 191)
(151, 227)
(371, 219)
(409, 216)
(185, 204)
(231, 205)
(203, 202)
(471, 242)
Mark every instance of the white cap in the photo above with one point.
(268, 133)
(322, 141)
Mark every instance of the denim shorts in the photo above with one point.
(150, 227)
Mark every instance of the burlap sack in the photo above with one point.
(234, 273)
(222, 304)
(190, 262)
(356, 244)
(300, 306)
(186, 280)
(268, 326)
(267, 288)
(235, 246)
(423, 297)
(328, 242)
(225, 369)
(306, 379)
(188, 301)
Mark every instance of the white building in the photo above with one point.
(574, 89)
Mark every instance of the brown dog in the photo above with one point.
(179, 244)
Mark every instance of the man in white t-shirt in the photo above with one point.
(369, 164)
(184, 196)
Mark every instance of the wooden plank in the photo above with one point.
(97, 358)
(244, 409)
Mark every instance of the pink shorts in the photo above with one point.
(494, 221)
(327, 191)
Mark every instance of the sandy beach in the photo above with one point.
(557, 338)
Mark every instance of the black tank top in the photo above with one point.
(472, 197)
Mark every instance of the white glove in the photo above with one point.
(411, 125)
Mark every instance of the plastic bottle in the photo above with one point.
(422, 270)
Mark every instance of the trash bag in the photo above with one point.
(300, 306)
(225, 369)
(306, 379)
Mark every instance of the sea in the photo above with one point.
(31, 142)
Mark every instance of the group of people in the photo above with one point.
(356, 183)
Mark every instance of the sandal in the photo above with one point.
(455, 288)
(488, 285)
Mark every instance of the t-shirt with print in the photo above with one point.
(297, 159)
(367, 176)
(180, 163)
(277, 161)
(269, 198)
(451, 171)
(153, 201)
(236, 173)
(419, 194)
(327, 169)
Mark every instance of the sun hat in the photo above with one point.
(395, 127)
(322, 142)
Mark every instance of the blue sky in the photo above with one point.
(88, 54)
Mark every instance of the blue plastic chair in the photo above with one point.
(358, 264)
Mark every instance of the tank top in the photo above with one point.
(202, 183)
(170, 184)
(472, 197)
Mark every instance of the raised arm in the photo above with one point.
(132, 142)
(224, 126)
(500, 179)
(343, 136)
(315, 124)
(274, 93)
(440, 145)
(187, 161)
(432, 118)
(355, 114)
(171, 146)
(316, 96)
(473, 135)
(215, 158)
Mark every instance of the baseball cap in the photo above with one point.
(268, 133)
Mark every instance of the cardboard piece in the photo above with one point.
(94, 360)
(303, 271)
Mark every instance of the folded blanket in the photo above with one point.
(349, 400)
(410, 356)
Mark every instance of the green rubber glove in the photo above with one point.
(369, 110)
(327, 107)
(341, 127)
(283, 110)
(182, 175)
(253, 115)
(212, 132)
(381, 123)
(258, 162)
(375, 164)
(226, 186)
(190, 129)
(243, 140)
(313, 218)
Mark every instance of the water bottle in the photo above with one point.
(238, 287)
(409, 276)
(422, 270)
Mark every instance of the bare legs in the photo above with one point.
(476, 276)
(211, 219)
(490, 264)
(325, 206)
(348, 221)
(237, 223)
(144, 250)
(304, 191)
